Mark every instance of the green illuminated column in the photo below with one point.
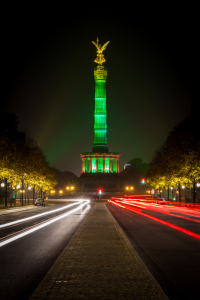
(100, 113)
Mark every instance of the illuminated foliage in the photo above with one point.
(178, 160)
(20, 157)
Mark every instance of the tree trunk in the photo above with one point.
(194, 192)
(22, 191)
(6, 192)
(168, 194)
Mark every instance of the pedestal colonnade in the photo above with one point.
(100, 162)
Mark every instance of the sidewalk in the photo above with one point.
(6, 211)
(99, 263)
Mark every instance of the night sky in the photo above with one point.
(48, 79)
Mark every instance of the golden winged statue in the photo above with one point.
(100, 57)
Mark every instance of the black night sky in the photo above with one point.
(48, 78)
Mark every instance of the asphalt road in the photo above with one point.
(25, 261)
(172, 257)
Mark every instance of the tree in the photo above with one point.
(178, 160)
(20, 157)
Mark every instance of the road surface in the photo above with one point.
(25, 261)
(172, 256)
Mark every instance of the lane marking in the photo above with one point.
(39, 215)
(18, 236)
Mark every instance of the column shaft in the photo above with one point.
(103, 165)
(96, 165)
(89, 165)
(110, 165)
(85, 164)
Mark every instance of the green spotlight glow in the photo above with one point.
(107, 165)
(100, 165)
(93, 165)
(100, 113)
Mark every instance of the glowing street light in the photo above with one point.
(2, 184)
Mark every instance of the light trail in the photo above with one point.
(139, 211)
(172, 211)
(18, 236)
(42, 214)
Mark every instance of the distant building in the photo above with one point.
(127, 165)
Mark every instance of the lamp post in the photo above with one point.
(184, 188)
(4, 184)
(33, 193)
(29, 188)
(194, 192)
(172, 191)
(22, 191)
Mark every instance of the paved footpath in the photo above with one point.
(15, 209)
(99, 263)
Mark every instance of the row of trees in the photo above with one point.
(178, 160)
(20, 157)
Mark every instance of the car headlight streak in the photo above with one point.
(18, 236)
(42, 214)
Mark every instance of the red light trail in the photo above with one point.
(133, 205)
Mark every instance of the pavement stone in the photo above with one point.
(6, 211)
(99, 263)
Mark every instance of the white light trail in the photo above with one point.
(43, 225)
(42, 214)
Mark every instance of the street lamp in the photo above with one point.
(2, 184)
